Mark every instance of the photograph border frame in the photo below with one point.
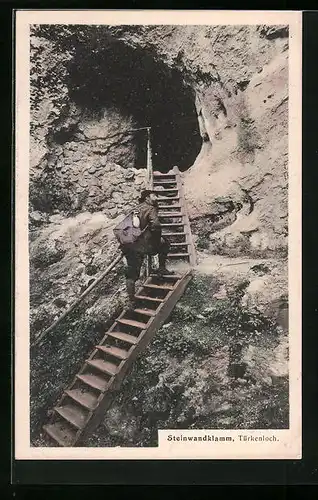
(142, 464)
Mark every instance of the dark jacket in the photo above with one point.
(150, 223)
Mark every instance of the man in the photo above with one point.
(150, 243)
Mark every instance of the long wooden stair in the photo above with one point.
(173, 215)
(93, 389)
(84, 402)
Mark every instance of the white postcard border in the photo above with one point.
(288, 445)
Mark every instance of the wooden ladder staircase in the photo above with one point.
(84, 403)
(173, 215)
(91, 392)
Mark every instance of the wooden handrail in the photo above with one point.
(77, 301)
(149, 159)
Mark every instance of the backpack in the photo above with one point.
(128, 230)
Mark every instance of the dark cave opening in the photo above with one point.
(132, 81)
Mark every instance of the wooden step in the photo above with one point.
(181, 233)
(125, 337)
(145, 297)
(162, 174)
(163, 177)
(103, 366)
(167, 198)
(86, 399)
(113, 351)
(171, 214)
(166, 190)
(166, 181)
(61, 432)
(158, 179)
(166, 207)
(179, 244)
(132, 322)
(166, 211)
(175, 255)
(147, 312)
(159, 287)
(93, 381)
(73, 415)
(172, 224)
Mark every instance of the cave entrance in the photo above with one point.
(132, 81)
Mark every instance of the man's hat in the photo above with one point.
(144, 194)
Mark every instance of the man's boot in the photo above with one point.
(150, 268)
(162, 265)
(130, 286)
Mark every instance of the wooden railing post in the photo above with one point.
(150, 186)
(149, 159)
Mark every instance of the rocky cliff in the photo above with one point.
(217, 100)
(239, 75)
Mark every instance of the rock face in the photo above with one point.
(247, 163)
(87, 94)
(240, 78)
(79, 152)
